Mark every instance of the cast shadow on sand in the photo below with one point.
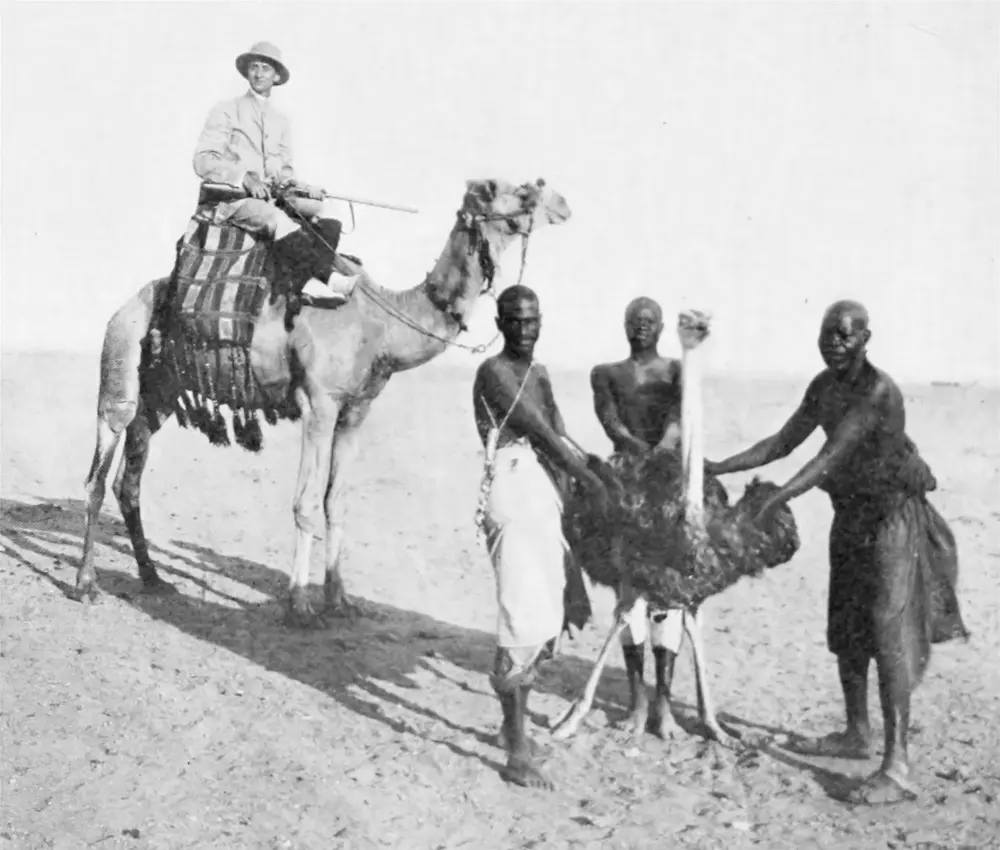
(347, 661)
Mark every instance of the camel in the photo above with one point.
(327, 370)
(675, 541)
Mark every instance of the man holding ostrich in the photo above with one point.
(638, 402)
(893, 560)
(526, 451)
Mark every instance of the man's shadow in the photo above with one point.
(348, 661)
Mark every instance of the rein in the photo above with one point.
(478, 244)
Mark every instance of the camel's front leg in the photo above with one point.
(345, 446)
(319, 420)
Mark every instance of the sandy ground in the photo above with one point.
(201, 721)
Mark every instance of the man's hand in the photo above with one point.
(597, 490)
(630, 444)
(765, 515)
(255, 187)
(712, 468)
(313, 192)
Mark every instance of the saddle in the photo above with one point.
(218, 284)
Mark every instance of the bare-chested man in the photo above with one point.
(638, 401)
(526, 449)
(893, 560)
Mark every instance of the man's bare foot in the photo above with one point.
(535, 750)
(635, 723)
(522, 770)
(883, 788)
(843, 745)
(662, 722)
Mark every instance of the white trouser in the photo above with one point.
(665, 628)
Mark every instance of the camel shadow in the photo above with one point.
(359, 663)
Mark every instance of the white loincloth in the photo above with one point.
(665, 628)
(522, 517)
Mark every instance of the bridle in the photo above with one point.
(479, 243)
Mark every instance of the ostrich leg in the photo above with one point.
(570, 721)
(706, 708)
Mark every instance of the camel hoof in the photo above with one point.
(156, 586)
(305, 620)
(346, 608)
(301, 614)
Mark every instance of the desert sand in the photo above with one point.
(201, 721)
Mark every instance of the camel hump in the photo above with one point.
(218, 283)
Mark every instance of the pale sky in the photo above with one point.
(758, 160)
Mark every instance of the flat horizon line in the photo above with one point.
(446, 366)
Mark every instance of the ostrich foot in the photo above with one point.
(301, 614)
(715, 732)
(87, 590)
(882, 788)
(153, 585)
(522, 770)
(566, 726)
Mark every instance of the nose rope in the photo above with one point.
(406, 320)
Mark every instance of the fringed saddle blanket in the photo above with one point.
(214, 300)
(219, 285)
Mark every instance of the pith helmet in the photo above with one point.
(269, 53)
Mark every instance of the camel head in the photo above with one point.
(495, 211)
(492, 214)
(516, 209)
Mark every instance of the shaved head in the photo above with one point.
(843, 336)
(854, 310)
(643, 303)
(513, 295)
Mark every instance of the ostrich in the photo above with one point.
(673, 540)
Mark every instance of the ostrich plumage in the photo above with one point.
(669, 536)
(645, 539)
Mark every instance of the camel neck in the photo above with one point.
(435, 311)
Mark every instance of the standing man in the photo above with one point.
(521, 512)
(638, 402)
(893, 559)
(246, 144)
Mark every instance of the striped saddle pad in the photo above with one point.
(220, 285)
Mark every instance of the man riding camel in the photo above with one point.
(246, 144)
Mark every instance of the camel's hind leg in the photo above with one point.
(117, 405)
(127, 485)
(110, 425)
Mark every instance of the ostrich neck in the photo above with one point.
(692, 434)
